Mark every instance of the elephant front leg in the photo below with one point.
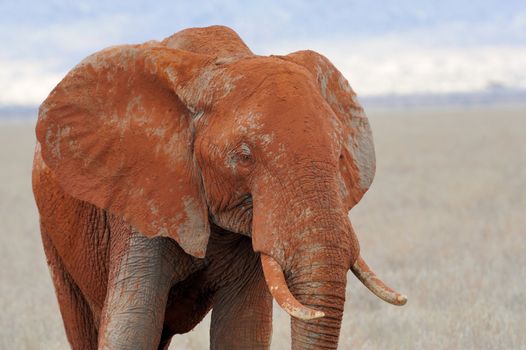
(138, 287)
(242, 313)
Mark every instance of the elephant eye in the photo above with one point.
(242, 156)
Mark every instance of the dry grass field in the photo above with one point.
(444, 222)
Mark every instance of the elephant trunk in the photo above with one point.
(307, 246)
(320, 287)
(310, 282)
(311, 287)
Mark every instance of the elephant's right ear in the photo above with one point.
(117, 133)
(358, 162)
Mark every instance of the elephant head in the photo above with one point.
(174, 135)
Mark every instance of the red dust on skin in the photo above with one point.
(197, 139)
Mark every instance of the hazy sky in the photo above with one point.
(382, 47)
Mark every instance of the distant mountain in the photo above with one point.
(495, 95)
(18, 112)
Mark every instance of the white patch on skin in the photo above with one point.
(153, 208)
(344, 84)
(43, 109)
(159, 132)
(191, 232)
(38, 162)
(171, 74)
(305, 213)
(65, 131)
(228, 59)
(342, 187)
(336, 131)
(178, 42)
(276, 158)
(107, 59)
(74, 147)
(134, 105)
(228, 84)
(163, 232)
(362, 150)
(135, 111)
(197, 116)
(249, 124)
(253, 120)
(209, 82)
(323, 76)
(322, 80)
(230, 162)
(245, 149)
(266, 139)
(121, 123)
(199, 89)
(136, 193)
(172, 149)
(54, 143)
(242, 129)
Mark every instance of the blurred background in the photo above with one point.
(388, 49)
(444, 86)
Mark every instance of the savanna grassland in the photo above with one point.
(444, 222)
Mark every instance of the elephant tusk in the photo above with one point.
(375, 285)
(280, 291)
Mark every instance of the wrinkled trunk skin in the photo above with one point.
(317, 279)
(320, 294)
(315, 261)
(302, 223)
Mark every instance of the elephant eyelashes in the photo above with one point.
(245, 150)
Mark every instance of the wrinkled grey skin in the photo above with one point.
(154, 290)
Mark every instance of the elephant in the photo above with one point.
(186, 175)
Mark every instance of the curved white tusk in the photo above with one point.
(375, 285)
(280, 291)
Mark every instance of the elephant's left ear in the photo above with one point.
(358, 164)
(117, 133)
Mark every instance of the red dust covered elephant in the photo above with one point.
(178, 177)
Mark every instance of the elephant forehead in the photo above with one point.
(295, 117)
(275, 105)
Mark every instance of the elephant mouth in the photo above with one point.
(277, 286)
(236, 217)
(245, 206)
